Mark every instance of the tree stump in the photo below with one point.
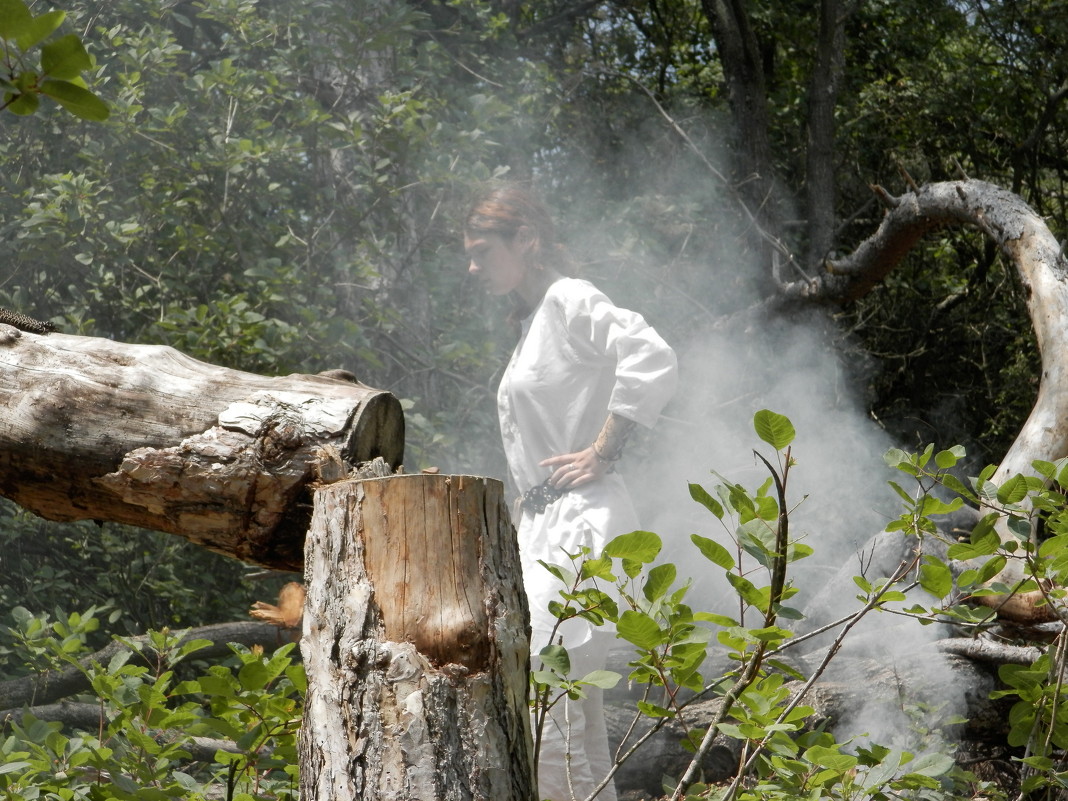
(415, 643)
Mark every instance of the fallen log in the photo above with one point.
(144, 435)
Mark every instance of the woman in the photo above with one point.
(582, 375)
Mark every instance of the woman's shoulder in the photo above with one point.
(573, 292)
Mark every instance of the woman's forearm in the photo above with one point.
(609, 444)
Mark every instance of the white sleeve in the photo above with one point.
(646, 370)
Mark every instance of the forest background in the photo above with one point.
(279, 188)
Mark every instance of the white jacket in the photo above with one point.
(579, 358)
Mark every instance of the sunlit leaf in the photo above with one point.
(640, 629)
(39, 28)
(639, 546)
(605, 679)
(949, 458)
(713, 551)
(935, 577)
(1013, 491)
(700, 494)
(774, 429)
(659, 581)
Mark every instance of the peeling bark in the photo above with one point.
(416, 644)
(144, 435)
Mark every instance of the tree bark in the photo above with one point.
(1024, 237)
(416, 644)
(144, 435)
(820, 185)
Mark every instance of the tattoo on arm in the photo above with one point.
(613, 437)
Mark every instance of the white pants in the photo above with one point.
(574, 741)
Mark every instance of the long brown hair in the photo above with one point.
(505, 208)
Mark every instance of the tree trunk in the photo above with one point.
(820, 185)
(144, 435)
(416, 644)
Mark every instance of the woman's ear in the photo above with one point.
(525, 239)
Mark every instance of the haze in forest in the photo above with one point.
(803, 366)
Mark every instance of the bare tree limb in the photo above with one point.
(989, 651)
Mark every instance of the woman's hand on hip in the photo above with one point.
(572, 470)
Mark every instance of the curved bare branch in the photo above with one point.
(1024, 238)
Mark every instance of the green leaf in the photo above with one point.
(659, 581)
(15, 18)
(605, 679)
(771, 634)
(638, 546)
(1020, 526)
(935, 577)
(732, 730)
(546, 677)
(936, 506)
(639, 629)
(1045, 469)
(712, 617)
(774, 429)
(713, 551)
(80, 102)
(65, 58)
(748, 591)
(598, 568)
(555, 657)
(23, 104)
(895, 457)
(700, 494)
(991, 568)
(830, 758)
(654, 711)
(883, 771)
(1013, 491)
(956, 485)
(39, 28)
(949, 458)
(254, 675)
(984, 541)
(933, 764)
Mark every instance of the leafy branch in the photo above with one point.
(55, 72)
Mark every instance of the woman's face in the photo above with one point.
(499, 264)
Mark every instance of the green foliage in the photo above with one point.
(41, 646)
(55, 73)
(278, 188)
(143, 579)
(149, 715)
(786, 754)
(144, 744)
(1019, 546)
